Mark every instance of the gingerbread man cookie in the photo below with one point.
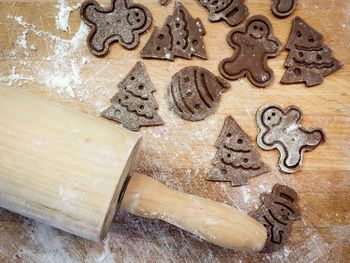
(278, 213)
(280, 128)
(254, 44)
(122, 22)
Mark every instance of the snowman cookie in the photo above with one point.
(253, 44)
(283, 8)
(232, 11)
(280, 129)
(123, 22)
(277, 213)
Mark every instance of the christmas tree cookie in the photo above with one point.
(309, 59)
(236, 160)
(180, 36)
(134, 105)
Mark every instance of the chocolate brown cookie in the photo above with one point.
(232, 11)
(195, 92)
(122, 22)
(236, 160)
(253, 44)
(180, 36)
(134, 105)
(283, 8)
(309, 60)
(164, 2)
(278, 213)
(280, 129)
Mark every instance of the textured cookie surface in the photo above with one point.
(180, 36)
(164, 2)
(236, 160)
(280, 129)
(194, 93)
(278, 213)
(231, 11)
(253, 44)
(309, 60)
(134, 105)
(123, 22)
(283, 8)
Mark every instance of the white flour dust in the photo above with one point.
(64, 73)
(47, 245)
(106, 256)
(62, 18)
(14, 77)
(61, 69)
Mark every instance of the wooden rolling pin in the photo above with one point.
(71, 170)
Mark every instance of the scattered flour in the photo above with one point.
(62, 18)
(14, 77)
(100, 106)
(245, 193)
(107, 256)
(21, 42)
(37, 142)
(67, 194)
(64, 73)
(47, 245)
(60, 70)
(33, 47)
(292, 127)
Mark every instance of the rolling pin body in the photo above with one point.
(68, 170)
(60, 166)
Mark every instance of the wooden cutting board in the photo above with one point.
(37, 55)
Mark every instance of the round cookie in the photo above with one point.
(195, 92)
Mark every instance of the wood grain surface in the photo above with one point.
(38, 55)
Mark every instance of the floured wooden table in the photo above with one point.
(42, 44)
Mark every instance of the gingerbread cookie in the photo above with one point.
(180, 36)
(232, 11)
(123, 22)
(309, 59)
(134, 105)
(278, 213)
(195, 92)
(280, 129)
(236, 160)
(253, 44)
(283, 8)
